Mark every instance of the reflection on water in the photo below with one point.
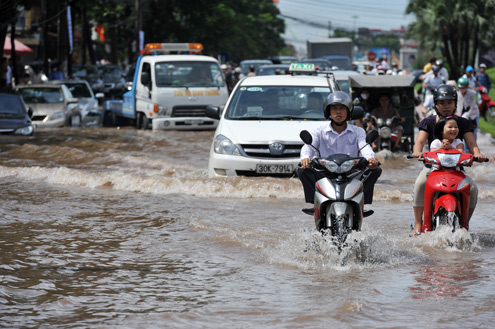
(122, 228)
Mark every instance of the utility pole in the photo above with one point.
(138, 27)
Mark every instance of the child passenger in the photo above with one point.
(446, 131)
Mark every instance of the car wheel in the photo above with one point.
(108, 119)
(75, 120)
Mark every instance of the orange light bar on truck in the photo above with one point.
(192, 48)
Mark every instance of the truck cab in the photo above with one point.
(171, 90)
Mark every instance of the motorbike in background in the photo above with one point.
(339, 197)
(487, 105)
(387, 137)
(447, 190)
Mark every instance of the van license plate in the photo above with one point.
(274, 169)
(194, 122)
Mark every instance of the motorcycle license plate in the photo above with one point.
(274, 169)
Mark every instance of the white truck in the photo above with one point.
(337, 50)
(171, 91)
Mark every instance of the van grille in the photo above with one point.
(189, 111)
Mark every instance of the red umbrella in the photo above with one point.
(20, 48)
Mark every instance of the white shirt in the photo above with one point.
(432, 81)
(468, 100)
(329, 142)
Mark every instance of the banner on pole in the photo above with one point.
(69, 28)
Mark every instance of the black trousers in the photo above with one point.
(309, 177)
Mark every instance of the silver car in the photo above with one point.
(91, 114)
(53, 105)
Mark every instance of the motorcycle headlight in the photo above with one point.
(347, 165)
(448, 160)
(385, 132)
(28, 130)
(463, 184)
(465, 162)
(330, 165)
(57, 116)
(223, 145)
(431, 160)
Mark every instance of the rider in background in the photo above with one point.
(432, 81)
(338, 137)
(466, 104)
(483, 78)
(470, 75)
(445, 99)
(387, 111)
(443, 73)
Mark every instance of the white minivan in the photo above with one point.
(258, 131)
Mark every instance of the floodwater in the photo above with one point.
(120, 228)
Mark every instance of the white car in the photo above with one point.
(342, 78)
(91, 115)
(258, 131)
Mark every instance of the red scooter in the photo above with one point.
(487, 105)
(447, 190)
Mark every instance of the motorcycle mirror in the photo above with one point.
(306, 137)
(357, 113)
(371, 136)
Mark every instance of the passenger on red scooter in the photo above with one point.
(445, 99)
(386, 111)
(338, 137)
(446, 132)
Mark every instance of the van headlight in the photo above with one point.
(164, 111)
(223, 145)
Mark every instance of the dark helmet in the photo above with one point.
(338, 98)
(444, 92)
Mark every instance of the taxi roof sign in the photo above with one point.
(167, 48)
(302, 68)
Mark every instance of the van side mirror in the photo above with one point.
(30, 112)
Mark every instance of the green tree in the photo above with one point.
(459, 28)
(240, 28)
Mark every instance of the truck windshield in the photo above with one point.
(188, 74)
(278, 103)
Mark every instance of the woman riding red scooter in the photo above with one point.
(447, 190)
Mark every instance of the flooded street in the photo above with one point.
(122, 228)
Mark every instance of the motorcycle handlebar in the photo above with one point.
(422, 159)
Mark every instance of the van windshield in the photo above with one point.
(278, 103)
(188, 74)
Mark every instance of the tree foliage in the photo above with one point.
(240, 28)
(459, 28)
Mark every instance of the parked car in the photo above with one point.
(258, 131)
(274, 69)
(15, 116)
(91, 74)
(245, 64)
(53, 105)
(113, 77)
(91, 115)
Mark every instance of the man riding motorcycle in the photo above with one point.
(338, 137)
